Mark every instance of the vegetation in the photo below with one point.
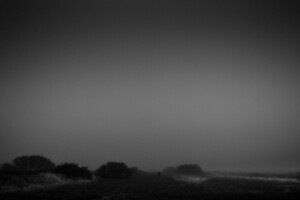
(114, 170)
(33, 164)
(27, 170)
(163, 188)
(169, 171)
(185, 169)
(73, 171)
(8, 169)
(189, 169)
(133, 183)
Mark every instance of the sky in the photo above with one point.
(152, 83)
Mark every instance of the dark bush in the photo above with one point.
(138, 172)
(73, 171)
(33, 164)
(189, 169)
(8, 169)
(134, 170)
(14, 181)
(169, 171)
(114, 170)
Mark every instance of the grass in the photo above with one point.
(163, 188)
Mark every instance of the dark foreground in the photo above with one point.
(163, 188)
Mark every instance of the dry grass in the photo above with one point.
(164, 188)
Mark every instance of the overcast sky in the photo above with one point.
(152, 83)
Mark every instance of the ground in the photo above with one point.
(163, 188)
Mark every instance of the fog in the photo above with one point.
(152, 84)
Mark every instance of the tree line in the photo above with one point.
(36, 164)
(23, 166)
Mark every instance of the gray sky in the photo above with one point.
(152, 84)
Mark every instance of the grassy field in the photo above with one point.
(163, 188)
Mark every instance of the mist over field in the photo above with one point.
(152, 83)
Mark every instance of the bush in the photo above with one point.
(7, 169)
(169, 171)
(114, 170)
(44, 179)
(138, 172)
(12, 181)
(73, 171)
(33, 164)
(189, 169)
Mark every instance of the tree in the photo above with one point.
(189, 169)
(114, 170)
(33, 164)
(73, 171)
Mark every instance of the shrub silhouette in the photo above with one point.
(33, 164)
(73, 171)
(189, 169)
(8, 169)
(169, 171)
(134, 170)
(138, 172)
(114, 170)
